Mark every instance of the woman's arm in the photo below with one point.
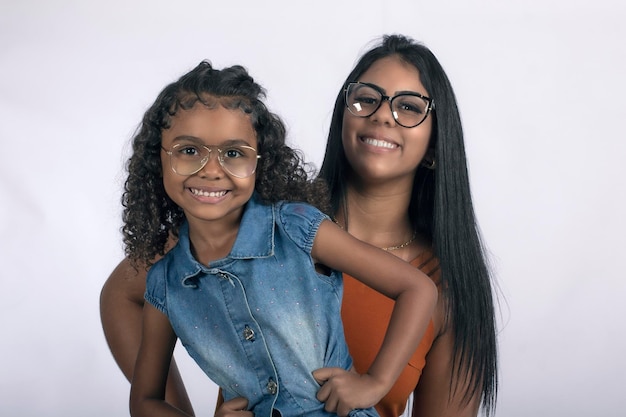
(121, 305)
(437, 394)
(415, 297)
(147, 392)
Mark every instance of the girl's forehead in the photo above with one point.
(211, 125)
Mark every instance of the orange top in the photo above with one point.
(365, 314)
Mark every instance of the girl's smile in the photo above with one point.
(205, 193)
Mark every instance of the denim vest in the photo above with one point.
(259, 321)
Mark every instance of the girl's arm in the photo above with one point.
(433, 396)
(121, 304)
(147, 390)
(415, 298)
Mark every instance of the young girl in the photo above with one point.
(252, 287)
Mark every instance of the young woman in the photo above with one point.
(396, 167)
(398, 180)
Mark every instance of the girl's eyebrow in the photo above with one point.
(197, 140)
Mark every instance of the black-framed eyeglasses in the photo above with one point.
(188, 158)
(408, 109)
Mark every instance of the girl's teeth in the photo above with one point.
(379, 143)
(208, 193)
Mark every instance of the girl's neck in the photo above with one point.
(212, 240)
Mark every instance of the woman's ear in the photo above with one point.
(428, 161)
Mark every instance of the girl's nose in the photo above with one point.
(212, 169)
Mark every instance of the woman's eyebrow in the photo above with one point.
(384, 92)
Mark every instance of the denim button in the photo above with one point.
(272, 387)
(248, 334)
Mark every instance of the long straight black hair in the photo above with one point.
(441, 209)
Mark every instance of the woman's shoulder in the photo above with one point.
(427, 262)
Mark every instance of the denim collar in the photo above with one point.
(255, 239)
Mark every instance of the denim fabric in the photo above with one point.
(259, 321)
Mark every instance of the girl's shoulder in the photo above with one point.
(300, 221)
(298, 208)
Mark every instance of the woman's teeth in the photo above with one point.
(379, 143)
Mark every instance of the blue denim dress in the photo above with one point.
(259, 321)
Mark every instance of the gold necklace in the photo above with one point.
(405, 244)
(388, 248)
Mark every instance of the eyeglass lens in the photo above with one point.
(408, 110)
(189, 158)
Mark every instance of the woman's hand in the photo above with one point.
(234, 408)
(343, 391)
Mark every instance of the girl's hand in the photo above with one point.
(234, 408)
(343, 391)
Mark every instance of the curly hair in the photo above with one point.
(150, 217)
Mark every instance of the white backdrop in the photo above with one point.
(542, 90)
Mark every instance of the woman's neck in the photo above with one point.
(379, 215)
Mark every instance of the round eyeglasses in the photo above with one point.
(188, 158)
(408, 109)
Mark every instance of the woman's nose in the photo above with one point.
(384, 113)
